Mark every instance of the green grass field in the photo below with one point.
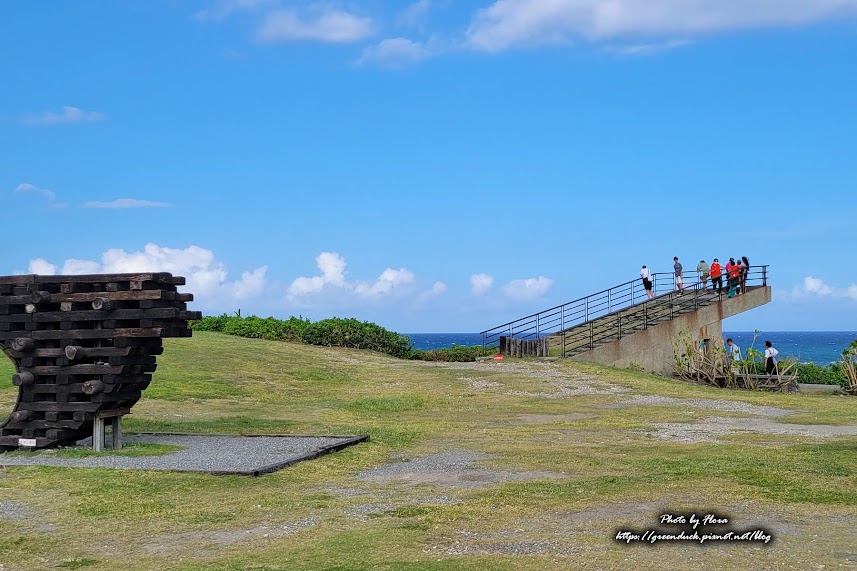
(519, 465)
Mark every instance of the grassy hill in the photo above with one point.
(502, 466)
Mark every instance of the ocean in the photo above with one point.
(819, 347)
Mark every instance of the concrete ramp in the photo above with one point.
(642, 335)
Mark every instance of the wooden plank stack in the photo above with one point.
(83, 345)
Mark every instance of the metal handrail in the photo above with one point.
(611, 303)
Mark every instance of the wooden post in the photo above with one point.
(98, 434)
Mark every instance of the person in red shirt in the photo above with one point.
(716, 273)
(734, 273)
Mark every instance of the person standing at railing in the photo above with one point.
(745, 269)
(734, 274)
(716, 276)
(646, 275)
(678, 275)
(702, 270)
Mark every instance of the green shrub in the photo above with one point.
(338, 332)
(454, 354)
(816, 374)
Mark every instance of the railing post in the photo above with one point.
(563, 344)
(538, 328)
(764, 275)
(609, 302)
(586, 311)
(562, 318)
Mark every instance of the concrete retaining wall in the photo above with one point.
(652, 349)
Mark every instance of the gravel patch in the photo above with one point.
(246, 455)
(453, 468)
(12, 510)
(707, 404)
(710, 429)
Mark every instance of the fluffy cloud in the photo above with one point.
(332, 275)
(526, 289)
(388, 281)
(480, 283)
(124, 203)
(332, 268)
(513, 23)
(68, 115)
(320, 22)
(395, 52)
(814, 287)
(206, 276)
(437, 290)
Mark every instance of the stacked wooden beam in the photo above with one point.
(83, 345)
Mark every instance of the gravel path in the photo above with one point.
(248, 455)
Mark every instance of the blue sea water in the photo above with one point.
(819, 347)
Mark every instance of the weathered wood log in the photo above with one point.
(23, 379)
(66, 306)
(40, 296)
(103, 304)
(73, 352)
(93, 387)
(23, 344)
(21, 415)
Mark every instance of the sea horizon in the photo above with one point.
(819, 347)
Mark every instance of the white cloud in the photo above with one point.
(332, 278)
(437, 290)
(72, 267)
(68, 115)
(480, 283)
(513, 23)
(530, 288)
(42, 267)
(815, 287)
(387, 282)
(332, 268)
(206, 276)
(49, 195)
(320, 22)
(124, 203)
(395, 52)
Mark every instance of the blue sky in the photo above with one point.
(433, 166)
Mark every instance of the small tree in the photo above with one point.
(849, 367)
(699, 362)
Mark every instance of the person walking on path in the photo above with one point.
(702, 270)
(646, 275)
(733, 351)
(771, 359)
(678, 275)
(716, 273)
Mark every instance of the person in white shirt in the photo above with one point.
(771, 359)
(646, 275)
(733, 351)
